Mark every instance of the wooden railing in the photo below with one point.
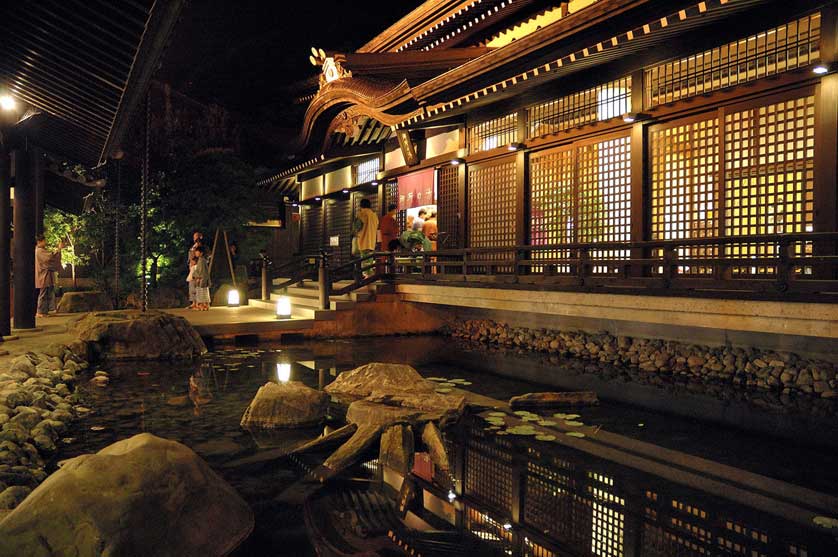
(789, 266)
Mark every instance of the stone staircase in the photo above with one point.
(305, 299)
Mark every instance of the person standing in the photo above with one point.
(366, 229)
(47, 263)
(389, 227)
(419, 221)
(430, 230)
(201, 280)
(197, 240)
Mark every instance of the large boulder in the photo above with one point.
(134, 335)
(378, 377)
(140, 496)
(78, 302)
(283, 405)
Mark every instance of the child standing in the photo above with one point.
(200, 277)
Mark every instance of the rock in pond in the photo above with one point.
(138, 497)
(283, 405)
(134, 335)
(78, 302)
(379, 377)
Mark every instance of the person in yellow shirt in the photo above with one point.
(365, 227)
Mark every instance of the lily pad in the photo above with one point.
(501, 433)
(457, 380)
(498, 414)
(826, 521)
(573, 423)
(523, 413)
(444, 390)
(98, 428)
(440, 379)
(560, 415)
(545, 437)
(531, 418)
(447, 385)
(546, 423)
(575, 434)
(571, 416)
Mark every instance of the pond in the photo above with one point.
(563, 501)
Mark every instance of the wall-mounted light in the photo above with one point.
(631, 117)
(344, 191)
(457, 161)
(821, 69)
(233, 299)
(283, 372)
(507, 526)
(317, 199)
(451, 496)
(374, 183)
(7, 102)
(283, 308)
(295, 204)
(515, 146)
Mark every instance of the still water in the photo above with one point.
(553, 498)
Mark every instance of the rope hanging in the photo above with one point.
(118, 208)
(144, 205)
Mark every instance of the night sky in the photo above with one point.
(244, 54)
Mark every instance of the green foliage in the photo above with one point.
(70, 229)
(208, 191)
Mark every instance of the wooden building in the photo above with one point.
(642, 146)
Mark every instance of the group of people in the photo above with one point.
(198, 278)
(370, 231)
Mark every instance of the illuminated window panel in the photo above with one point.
(448, 207)
(493, 209)
(311, 220)
(769, 179)
(604, 198)
(553, 205)
(358, 196)
(391, 197)
(367, 171)
(606, 101)
(339, 223)
(684, 188)
(488, 529)
(493, 133)
(783, 48)
(581, 194)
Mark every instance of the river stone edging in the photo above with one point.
(744, 368)
(36, 408)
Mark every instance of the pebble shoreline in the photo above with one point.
(37, 404)
(781, 379)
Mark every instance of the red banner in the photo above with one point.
(416, 189)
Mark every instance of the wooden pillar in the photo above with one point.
(521, 179)
(5, 236)
(639, 166)
(38, 176)
(24, 252)
(826, 141)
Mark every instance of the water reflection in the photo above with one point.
(524, 497)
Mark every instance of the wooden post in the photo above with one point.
(212, 254)
(230, 259)
(639, 198)
(5, 244)
(24, 219)
(826, 141)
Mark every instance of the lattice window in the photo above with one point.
(489, 472)
(581, 194)
(552, 205)
(488, 529)
(493, 208)
(684, 183)
(367, 171)
(311, 220)
(789, 46)
(391, 197)
(604, 198)
(448, 207)
(769, 178)
(493, 133)
(609, 100)
(339, 223)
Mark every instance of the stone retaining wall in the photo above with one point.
(36, 408)
(785, 373)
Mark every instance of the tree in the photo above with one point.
(73, 231)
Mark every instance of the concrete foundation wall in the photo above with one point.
(387, 315)
(808, 329)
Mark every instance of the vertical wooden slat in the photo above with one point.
(639, 165)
